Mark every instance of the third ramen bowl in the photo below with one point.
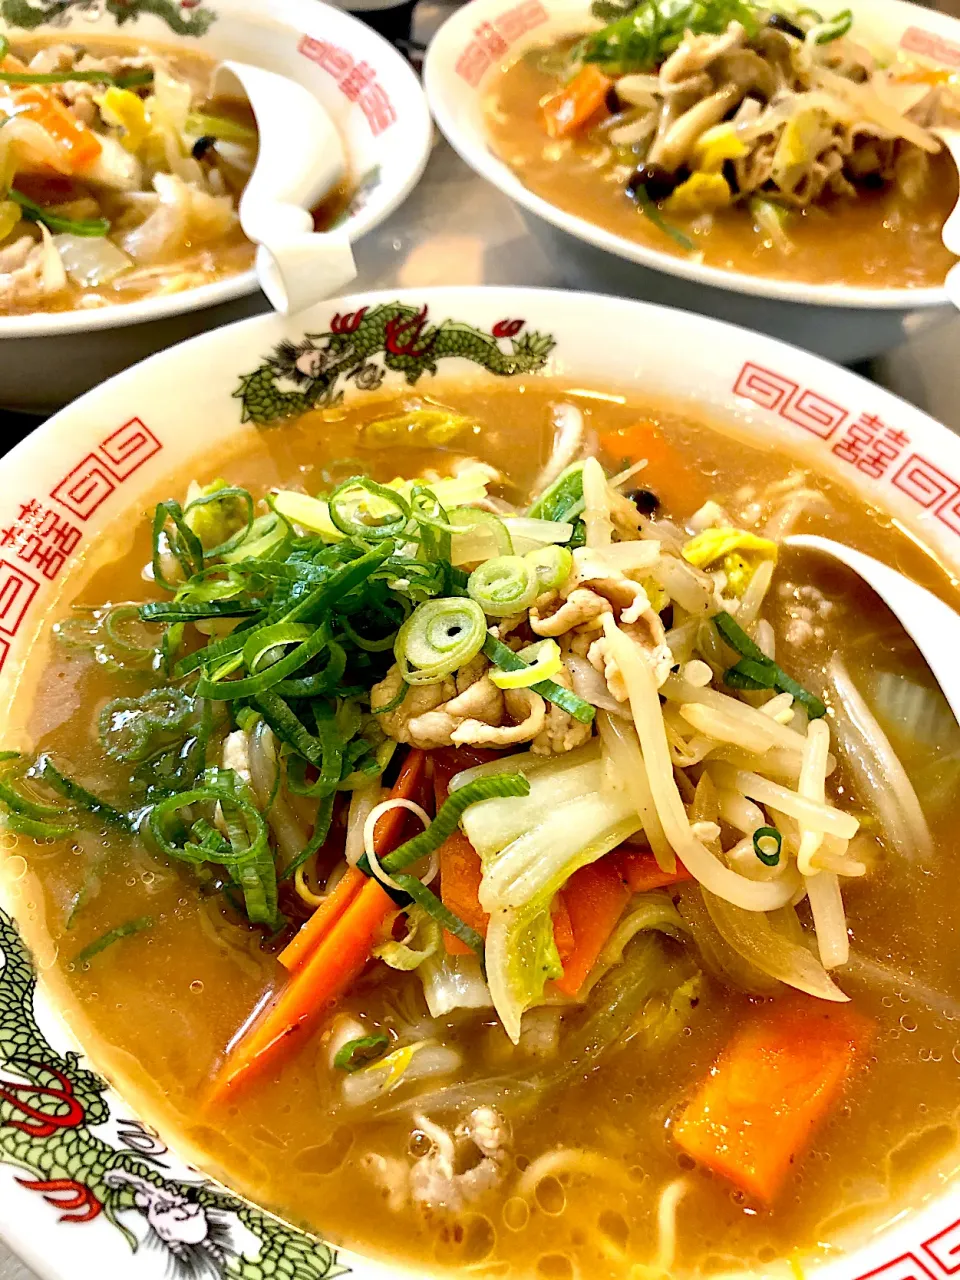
(519, 569)
(771, 171)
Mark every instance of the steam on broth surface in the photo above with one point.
(745, 136)
(574, 1151)
(120, 175)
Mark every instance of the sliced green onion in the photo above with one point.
(184, 544)
(353, 513)
(757, 671)
(321, 829)
(225, 494)
(544, 661)
(269, 536)
(552, 565)
(439, 637)
(56, 222)
(504, 585)
(260, 642)
(429, 901)
(130, 80)
(767, 842)
(222, 128)
(47, 772)
(360, 1052)
(565, 699)
(834, 28)
(480, 535)
(107, 939)
(394, 702)
(499, 787)
(289, 728)
(129, 727)
(649, 209)
(197, 611)
(331, 755)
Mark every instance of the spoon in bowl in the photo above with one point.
(301, 160)
(932, 625)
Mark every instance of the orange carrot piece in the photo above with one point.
(322, 921)
(666, 472)
(774, 1083)
(563, 929)
(460, 874)
(569, 110)
(78, 145)
(386, 838)
(311, 991)
(595, 897)
(642, 872)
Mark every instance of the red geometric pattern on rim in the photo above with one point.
(129, 447)
(84, 488)
(491, 40)
(17, 589)
(949, 513)
(906, 1267)
(944, 1248)
(4, 650)
(916, 40)
(814, 412)
(764, 387)
(924, 483)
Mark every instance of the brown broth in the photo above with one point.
(158, 1008)
(876, 241)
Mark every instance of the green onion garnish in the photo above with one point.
(130, 80)
(439, 637)
(56, 222)
(504, 585)
(757, 671)
(361, 1052)
(566, 699)
(767, 842)
(649, 209)
(107, 939)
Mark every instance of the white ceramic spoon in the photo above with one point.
(951, 228)
(300, 160)
(932, 625)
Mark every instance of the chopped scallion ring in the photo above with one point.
(361, 1052)
(767, 842)
(504, 585)
(552, 565)
(438, 638)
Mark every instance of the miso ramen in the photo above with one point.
(501, 849)
(741, 135)
(120, 175)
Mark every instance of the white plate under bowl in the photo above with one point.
(369, 90)
(80, 1189)
(845, 323)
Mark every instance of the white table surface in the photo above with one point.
(455, 229)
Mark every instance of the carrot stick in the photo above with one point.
(323, 977)
(322, 921)
(569, 110)
(563, 929)
(460, 875)
(334, 954)
(594, 897)
(642, 872)
(386, 837)
(754, 1115)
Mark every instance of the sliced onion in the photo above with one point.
(91, 261)
(529, 533)
(504, 585)
(753, 937)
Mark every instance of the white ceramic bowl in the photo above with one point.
(102, 456)
(846, 324)
(367, 87)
